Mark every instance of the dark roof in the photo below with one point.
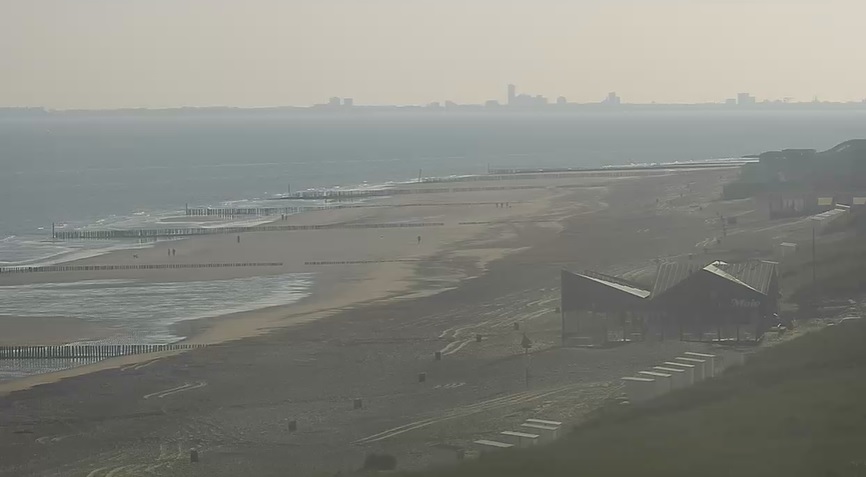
(670, 274)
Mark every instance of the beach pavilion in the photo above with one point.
(718, 302)
(598, 309)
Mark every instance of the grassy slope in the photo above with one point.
(798, 409)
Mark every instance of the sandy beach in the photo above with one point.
(367, 329)
(464, 217)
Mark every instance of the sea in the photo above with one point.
(128, 170)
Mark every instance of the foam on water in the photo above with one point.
(142, 312)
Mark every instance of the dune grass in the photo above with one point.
(798, 409)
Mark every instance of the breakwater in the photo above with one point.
(192, 232)
(501, 175)
(155, 266)
(275, 211)
(87, 351)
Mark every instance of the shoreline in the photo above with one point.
(178, 217)
(335, 289)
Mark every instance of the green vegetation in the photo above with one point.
(841, 271)
(795, 410)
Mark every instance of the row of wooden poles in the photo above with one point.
(255, 211)
(362, 193)
(499, 175)
(87, 351)
(154, 266)
(273, 211)
(188, 232)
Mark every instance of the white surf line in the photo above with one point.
(510, 400)
(187, 387)
(176, 388)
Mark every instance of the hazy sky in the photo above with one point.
(161, 53)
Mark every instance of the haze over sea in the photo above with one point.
(121, 171)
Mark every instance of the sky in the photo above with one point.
(100, 54)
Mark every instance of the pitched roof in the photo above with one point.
(616, 283)
(670, 274)
(756, 275)
(718, 269)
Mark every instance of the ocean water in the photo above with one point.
(135, 312)
(128, 171)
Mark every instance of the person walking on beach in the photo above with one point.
(239, 239)
(419, 240)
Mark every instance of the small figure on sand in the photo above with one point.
(169, 252)
(173, 252)
(419, 240)
(239, 239)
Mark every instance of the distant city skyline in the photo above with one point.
(106, 54)
(515, 99)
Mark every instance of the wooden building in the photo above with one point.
(598, 309)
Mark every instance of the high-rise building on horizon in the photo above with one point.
(612, 99)
(512, 93)
(745, 99)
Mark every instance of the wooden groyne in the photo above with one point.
(191, 232)
(362, 262)
(87, 351)
(155, 266)
(280, 211)
(252, 211)
(505, 175)
(366, 193)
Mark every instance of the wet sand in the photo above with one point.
(47, 330)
